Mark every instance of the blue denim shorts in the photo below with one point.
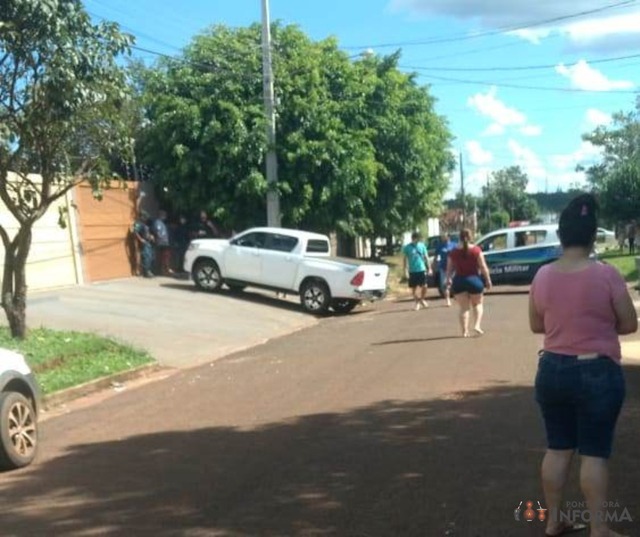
(580, 400)
(467, 284)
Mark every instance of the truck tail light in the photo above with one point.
(358, 279)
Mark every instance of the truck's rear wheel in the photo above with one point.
(344, 305)
(206, 275)
(315, 297)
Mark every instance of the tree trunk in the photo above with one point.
(14, 284)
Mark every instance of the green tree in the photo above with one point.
(206, 133)
(411, 143)
(61, 91)
(506, 194)
(359, 147)
(616, 177)
(620, 193)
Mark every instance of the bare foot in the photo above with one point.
(478, 331)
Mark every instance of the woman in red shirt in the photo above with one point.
(468, 263)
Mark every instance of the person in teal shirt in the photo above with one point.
(416, 268)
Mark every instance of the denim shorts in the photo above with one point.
(580, 400)
(467, 284)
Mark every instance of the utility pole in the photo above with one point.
(464, 201)
(489, 203)
(273, 197)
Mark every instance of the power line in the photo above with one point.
(498, 31)
(523, 67)
(518, 86)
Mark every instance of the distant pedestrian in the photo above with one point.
(580, 305)
(442, 258)
(144, 238)
(180, 242)
(204, 228)
(162, 243)
(416, 268)
(467, 262)
(632, 232)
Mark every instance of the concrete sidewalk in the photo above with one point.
(178, 325)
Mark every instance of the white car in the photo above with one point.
(288, 261)
(19, 407)
(605, 240)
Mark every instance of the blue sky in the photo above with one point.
(478, 56)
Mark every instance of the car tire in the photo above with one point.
(315, 297)
(206, 275)
(18, 431)
(344, 306)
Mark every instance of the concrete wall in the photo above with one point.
(96, 243)
(53, 260)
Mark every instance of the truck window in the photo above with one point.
(317, 246)
(280, 243)
(250, 240)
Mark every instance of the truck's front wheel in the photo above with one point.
(315, 297)
(206, 275)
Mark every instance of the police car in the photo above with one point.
(515, 254)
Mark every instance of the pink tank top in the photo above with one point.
(577, 309)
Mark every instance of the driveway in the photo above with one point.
(178, 325)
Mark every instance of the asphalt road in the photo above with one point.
(381, 423)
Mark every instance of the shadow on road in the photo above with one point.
(247, 296)
(264, 298)
(457, 466)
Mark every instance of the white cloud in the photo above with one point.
(586, 154)
(604, 30)
(531, 130)
(530, 163)
(495, 129)
(583, 76)
(477, 155)
(492, 107)
(501, 115)
(597, 118)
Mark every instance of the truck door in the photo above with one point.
(243, 257)
(279, 262)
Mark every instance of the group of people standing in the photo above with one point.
(581, 306)
(162, 243)
(462, 271)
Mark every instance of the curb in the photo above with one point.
(67, 395)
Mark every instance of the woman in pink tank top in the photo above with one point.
(581, 306)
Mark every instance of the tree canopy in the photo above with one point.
(360, 148)
(616, 178)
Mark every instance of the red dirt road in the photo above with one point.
(381, 423)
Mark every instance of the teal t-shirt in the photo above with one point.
(416, 254)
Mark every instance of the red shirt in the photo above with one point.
(465, 264)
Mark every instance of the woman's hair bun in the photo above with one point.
(579, 221)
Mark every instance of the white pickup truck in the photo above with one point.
(287, 261)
